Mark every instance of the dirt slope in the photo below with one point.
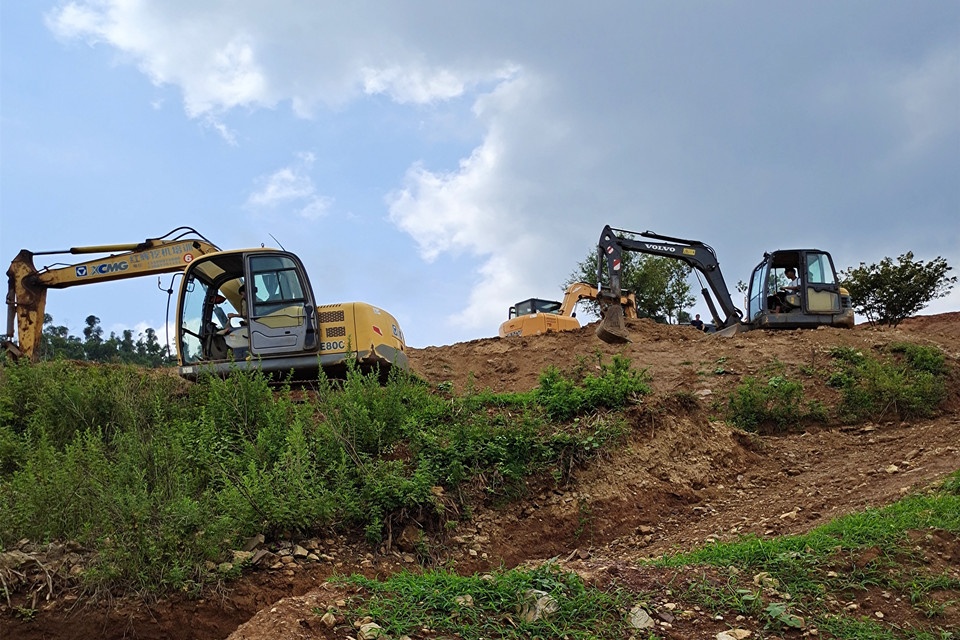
(682, 479)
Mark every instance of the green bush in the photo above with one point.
(159, 478)
(906, 382)
(778, 402)
(615, 386)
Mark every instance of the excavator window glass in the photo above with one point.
(548, 306)
(535, 305)
(755, 305)
(819, 269)
(191, 320)
(276, 284)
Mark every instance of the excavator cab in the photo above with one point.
(236, 304)
(273, 321)
(819, 300)
(534, 305)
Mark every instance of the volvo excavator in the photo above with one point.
(236, 310)
(535, 316)
(819, 300)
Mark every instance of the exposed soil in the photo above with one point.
(683, 478)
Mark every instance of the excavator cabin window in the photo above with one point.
(534, 305)
(276, 284)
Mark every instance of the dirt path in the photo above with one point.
(682, 479)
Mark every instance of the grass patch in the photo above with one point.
(501, 604)
(907, 381)
(775, 405)
(781, 580)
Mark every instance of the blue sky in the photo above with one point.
(443, 160)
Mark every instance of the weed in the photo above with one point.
(491, 605)
(777, 402)
(906, 383)
(804, 567)
(158, 483)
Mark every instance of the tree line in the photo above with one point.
(146, 350)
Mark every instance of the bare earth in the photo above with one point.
(683, 478)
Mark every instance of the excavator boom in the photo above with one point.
(697, 254)
(27, 286)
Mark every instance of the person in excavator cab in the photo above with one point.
(236, 338)
(778, 302)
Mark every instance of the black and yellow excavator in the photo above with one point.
(237, 309)
(535, 316)
(817, 301)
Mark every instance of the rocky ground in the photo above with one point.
(683, 478)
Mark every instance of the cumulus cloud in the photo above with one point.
(291, 187)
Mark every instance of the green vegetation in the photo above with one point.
(777, 402)
(159, 477)
(805, 580)
(909, 381)
(494, 605)
(906, 381)
(887, 293)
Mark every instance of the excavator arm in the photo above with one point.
(698, 255)
(582, 291)
(27, 286)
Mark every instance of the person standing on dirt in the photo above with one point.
(697, 323)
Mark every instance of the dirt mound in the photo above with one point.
(683, 478)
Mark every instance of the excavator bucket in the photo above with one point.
(612, 328)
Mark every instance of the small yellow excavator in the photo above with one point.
(818, 300)
(535, 316)
(238, 309)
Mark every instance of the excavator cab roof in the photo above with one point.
(534, 305)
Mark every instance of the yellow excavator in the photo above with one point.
(817, 300)
(237, 309)
(535, 316)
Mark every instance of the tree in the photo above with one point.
(886, 293)
(660, 284)
(56, 341)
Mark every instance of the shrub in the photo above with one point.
(158, 480)
(908, 382)
(616, 385)
(777, 402)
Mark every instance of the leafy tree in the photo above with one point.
(660, 284)
(886, 293)
(57, 342)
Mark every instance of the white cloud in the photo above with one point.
(291, 186)
(732, 124)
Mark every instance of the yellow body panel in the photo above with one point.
(536, 324)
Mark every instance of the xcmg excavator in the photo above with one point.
(818, 300)
(535, 316)
(239, 309)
